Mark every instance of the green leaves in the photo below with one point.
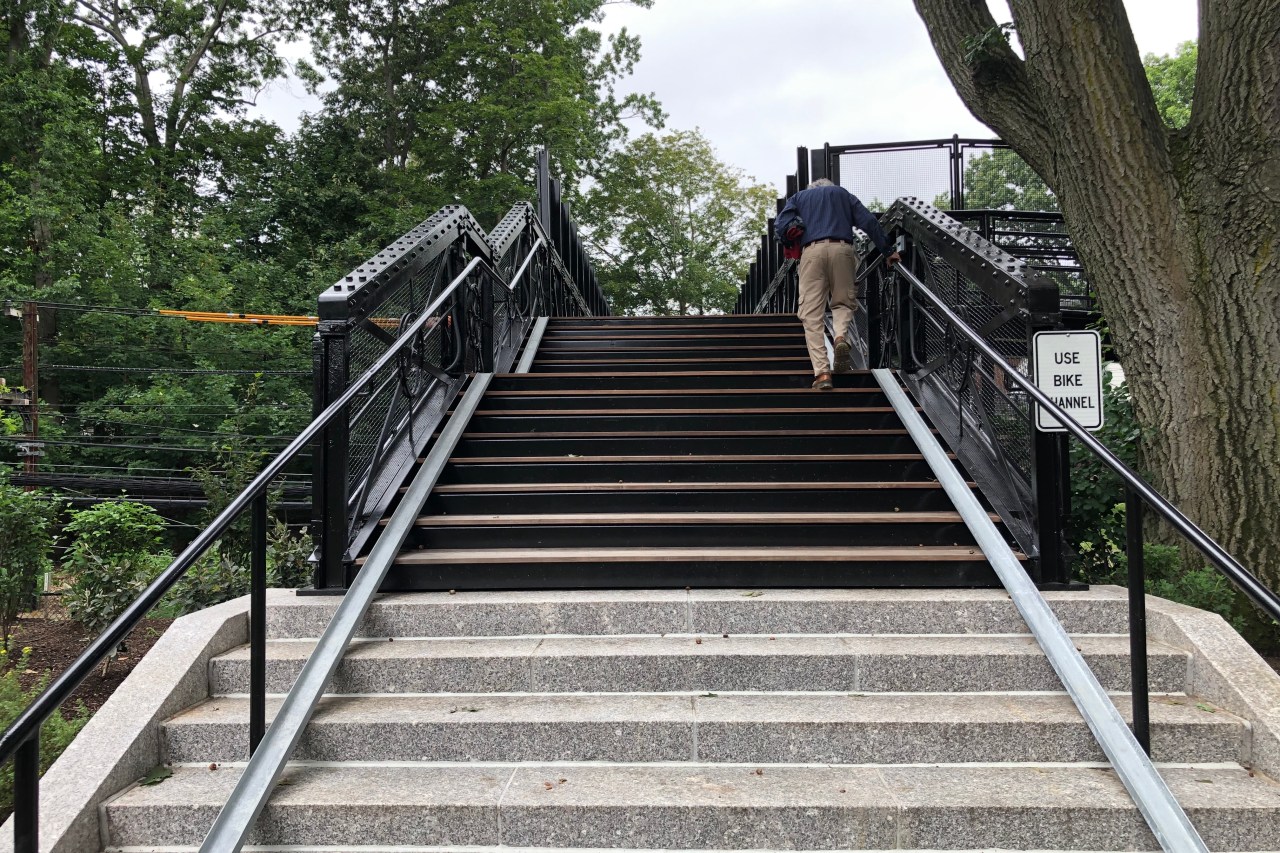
(1173, 83)
(671, 227)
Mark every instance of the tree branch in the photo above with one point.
(1238, 72)
(990, 78)
(188, 70)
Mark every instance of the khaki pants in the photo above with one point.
(827, 271)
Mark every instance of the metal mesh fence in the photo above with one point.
(878, 177)
(997, 178)
(991, 407)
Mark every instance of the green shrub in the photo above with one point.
(114, 553)
(1096, 522)
(56, 733)
(223, 572)
(1203, 587)
(25, 520)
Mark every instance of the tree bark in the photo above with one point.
(1180, 230)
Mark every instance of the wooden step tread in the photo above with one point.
(673, 518)
(709, 433)
(830, 554)
(576, 336)
(794, 410)
(763, 359)
(599, 374)
(749, 486)
(610, 345)
(679, 392)
(692, 457)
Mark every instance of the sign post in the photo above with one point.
(1068, 368)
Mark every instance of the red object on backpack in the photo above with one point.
(791, 241)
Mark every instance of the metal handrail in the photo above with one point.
(246, 802)
(1240, 577)
(1166, 817)
(21, 738)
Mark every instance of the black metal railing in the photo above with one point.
(444, 301)
(1140, 495)
(363, 461)
(937, 170)
(978, 412)
(1040, 238)
(956, 319)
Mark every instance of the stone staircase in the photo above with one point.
(702, 720)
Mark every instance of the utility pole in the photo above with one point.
(31, 379)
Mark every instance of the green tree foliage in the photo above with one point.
(56, 733)
(25, 540)
(114, 553)
(441, 100)
(671, 227)
(1173, 82)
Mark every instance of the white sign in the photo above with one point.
(1068, 368)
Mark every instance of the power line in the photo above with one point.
(209, 432)
(140, 447)
(180, 371)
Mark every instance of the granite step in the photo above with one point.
(702, 806)
(854, 663)
(809, 611)
(770, 728)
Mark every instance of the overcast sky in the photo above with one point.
(761, 77)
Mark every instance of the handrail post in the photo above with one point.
(26, 795)
(1050, 456)
(258, 623)
(329, 489)
(957, 174)
(1137, 581)
(904, 307)
(485, 363)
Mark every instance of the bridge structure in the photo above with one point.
(586, 581)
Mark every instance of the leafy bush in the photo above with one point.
(1203, 587)
(1096, 523)
(24, 551)
(115, 552)
(56, 733)
(223, 574)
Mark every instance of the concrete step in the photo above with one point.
(809, 611)
(768, 728)
(700, 806)
(858, 663)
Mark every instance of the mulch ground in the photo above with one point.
(56, 641)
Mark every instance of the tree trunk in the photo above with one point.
(1180, 230)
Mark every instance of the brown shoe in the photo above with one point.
(822, 382)
(844, 356)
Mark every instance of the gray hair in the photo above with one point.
(821, 182)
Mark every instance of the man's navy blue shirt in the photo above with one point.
(830, 212)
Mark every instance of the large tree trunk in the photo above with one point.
(1180, 230)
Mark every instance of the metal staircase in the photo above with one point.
(675, 452)
(588, 582)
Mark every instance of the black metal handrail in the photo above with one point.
(20, 740)
(1140, 494)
